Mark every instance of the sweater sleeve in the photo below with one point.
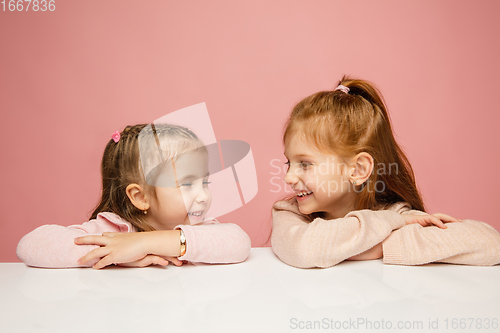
(215, 243)
(53, 246)
(324, 243)
(468, 242)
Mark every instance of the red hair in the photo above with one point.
(347, 124)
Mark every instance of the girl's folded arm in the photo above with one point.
(324, 243)
(216, 243)
(53, 246)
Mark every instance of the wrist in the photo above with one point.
(165, 243)
(182, 240)
(173, 243)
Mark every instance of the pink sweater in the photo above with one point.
(53, 245)
(325, 243)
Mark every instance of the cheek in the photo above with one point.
(174, 202)
(310, 179)
(179, 207)
(342, 168)
(186, 199)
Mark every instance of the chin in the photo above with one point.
(305, 211)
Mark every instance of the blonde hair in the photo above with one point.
(347, 124)
(123, 163)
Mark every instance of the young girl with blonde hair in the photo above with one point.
(153, 207)
(355, 192)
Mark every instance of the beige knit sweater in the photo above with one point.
(325, 243)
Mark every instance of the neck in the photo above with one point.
(341, 208)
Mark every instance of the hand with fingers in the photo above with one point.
(124, 249)
(437, 219)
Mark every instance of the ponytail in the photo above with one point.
(386, 152)
(354, 120)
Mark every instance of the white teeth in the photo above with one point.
(195, 213)
(303, 194)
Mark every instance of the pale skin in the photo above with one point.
(166, 210)
(187, 202)
(305, 171)
(137, 249)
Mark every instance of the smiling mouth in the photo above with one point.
(304, 194)
(196, 214)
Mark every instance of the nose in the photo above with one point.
(290, 177)
(203, 194)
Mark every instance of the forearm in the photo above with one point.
(324, 243)
(371, 254)
(52, 246)
(219, 243)
(163, 243)
(468, 242)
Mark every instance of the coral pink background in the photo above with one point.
(70, 78)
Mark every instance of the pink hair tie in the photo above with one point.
(115, 136)
(342, 88)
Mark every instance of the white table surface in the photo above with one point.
(261, 294)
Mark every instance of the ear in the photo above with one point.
(137, 196)
(361, 168)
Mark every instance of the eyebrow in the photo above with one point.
(300, 155)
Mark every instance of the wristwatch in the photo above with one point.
(183, 243)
